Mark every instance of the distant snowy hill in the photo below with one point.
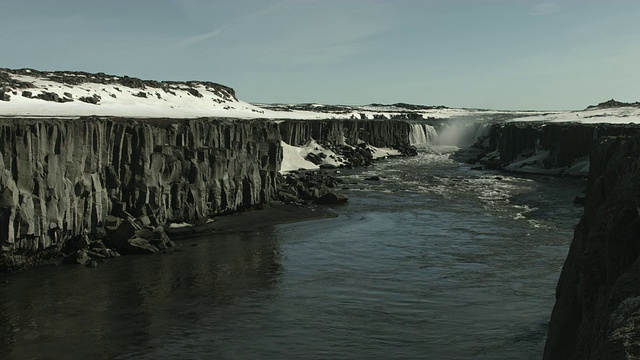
(609, 112)
(28, 92)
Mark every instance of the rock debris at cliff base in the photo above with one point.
(73, 180)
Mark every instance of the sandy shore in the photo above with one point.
(254, 219)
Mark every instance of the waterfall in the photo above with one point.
(422, 134)
(452, 133)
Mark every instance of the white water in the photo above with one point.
(422, 134)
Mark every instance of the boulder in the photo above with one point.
(95, 99)
(140, 246)
(77, 243)
(125, 231)
(314, 158)
(331, 198)
(49, 96)
(78, 257)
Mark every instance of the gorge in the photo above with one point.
(75, 180)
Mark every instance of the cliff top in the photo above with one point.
(608, 112)
(34, 93)
(613, 104)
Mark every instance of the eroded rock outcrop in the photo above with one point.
(379, 133)
(552, 148)
(60, 179)
(597, 310)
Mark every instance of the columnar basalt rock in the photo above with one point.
(597, 308)
(380, 133)
(61, 178)
(65, 179)
(565, 142)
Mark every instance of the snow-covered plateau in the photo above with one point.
(32, 93)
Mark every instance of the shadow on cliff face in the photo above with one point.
(596, 314)
(133, 304)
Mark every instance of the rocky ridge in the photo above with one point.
(73, 78)
(613, 104)
(29, 92)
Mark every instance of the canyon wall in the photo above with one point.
(597, 310)
(63, 178)
(379, 133)
(565, 142)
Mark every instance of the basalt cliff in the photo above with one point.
(75, 181)
(597, 311)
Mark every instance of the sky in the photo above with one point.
(508, 54)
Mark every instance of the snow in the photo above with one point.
(121, 101)
(126, 104)
(294, 156)
(622, 115)
(183, 104)
(534, 164)
(179, 225)
(380, 153)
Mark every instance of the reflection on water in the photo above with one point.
(126, 305)
(435, 261)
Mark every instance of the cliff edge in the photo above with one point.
(597, 308)
(63, 179)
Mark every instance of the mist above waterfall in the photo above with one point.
(453, 133)
(462, 134)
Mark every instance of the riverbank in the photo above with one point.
(241, 222)
(277, 213)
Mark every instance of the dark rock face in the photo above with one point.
(597, 310)
(349, 138)
(332, 198)
(308, 186)
(114, 181)
(60, 179)
(566, 142)
(379, 133)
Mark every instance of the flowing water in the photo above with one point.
(435, 261)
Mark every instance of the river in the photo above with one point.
(435, 261)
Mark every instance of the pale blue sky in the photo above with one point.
(518, 54)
